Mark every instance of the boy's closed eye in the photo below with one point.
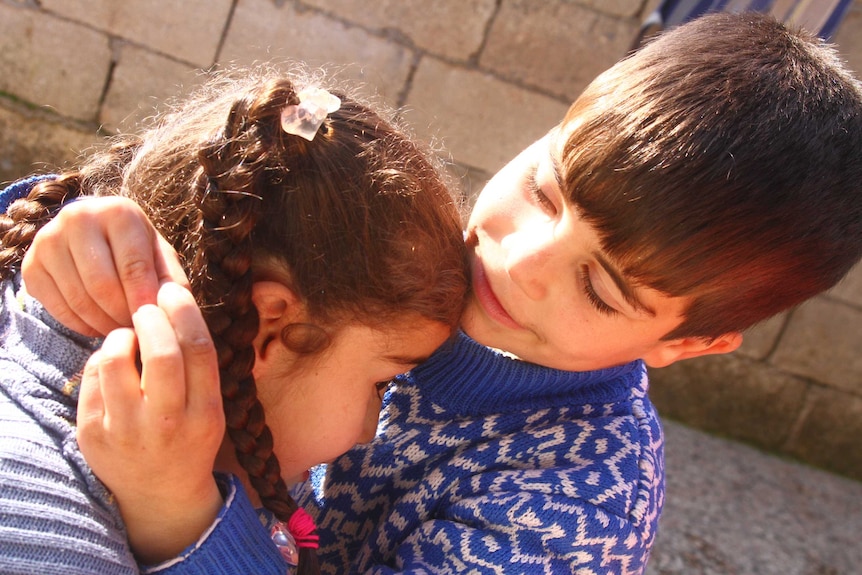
(592, 296)
(536, 193)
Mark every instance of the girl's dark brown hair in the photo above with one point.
(359, 222)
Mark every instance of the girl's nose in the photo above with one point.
(529, 262)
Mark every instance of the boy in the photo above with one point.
(706, 183)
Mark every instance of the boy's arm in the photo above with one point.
(97, 262)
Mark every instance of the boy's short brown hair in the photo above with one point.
(723, 162)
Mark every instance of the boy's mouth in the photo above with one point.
(487, 299)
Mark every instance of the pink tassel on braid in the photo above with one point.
(299, 533)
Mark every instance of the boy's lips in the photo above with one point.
(487, 299)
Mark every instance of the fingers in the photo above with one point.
(144, 260)
(120, 381)
(175, 387)
(51, 276)
(117, 261)
(198, 351)
(97, 262)
(90, 249)
(180, 366)
(163, 373)
(110, 391)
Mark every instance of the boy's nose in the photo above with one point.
(528, 263)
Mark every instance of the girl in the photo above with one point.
(326, 256)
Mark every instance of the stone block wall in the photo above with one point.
(484, 78)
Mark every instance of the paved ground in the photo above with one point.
(733, 510)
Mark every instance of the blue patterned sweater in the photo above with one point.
(485, 464)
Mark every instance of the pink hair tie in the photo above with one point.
(299, 532)
(302, 527)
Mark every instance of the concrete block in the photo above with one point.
(761, 339)
(141, 81)
(190, 30)
(480, 120)
(624, 8)
(555, 45)
(848, 38)
(32, 141)
(850, 288)
(829, 431)
(51, 62)
(452, 29)
(649, 7)
(472, 183)
(823, 341)
(262, 31)
(731, 395)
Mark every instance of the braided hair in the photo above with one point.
(360, 220)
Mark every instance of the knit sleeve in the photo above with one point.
(521, 533)
(18, 190)
(237, 543)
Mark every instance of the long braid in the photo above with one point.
(25, 217)
(229, 212)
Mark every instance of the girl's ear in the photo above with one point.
(275, 301)
(668, 352)
(277, 305)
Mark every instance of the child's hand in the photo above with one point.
(96, 262)
(152, 436)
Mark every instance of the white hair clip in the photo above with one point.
(305, 118)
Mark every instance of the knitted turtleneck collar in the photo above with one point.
(473, 379)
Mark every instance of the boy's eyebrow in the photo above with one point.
(624, 287)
